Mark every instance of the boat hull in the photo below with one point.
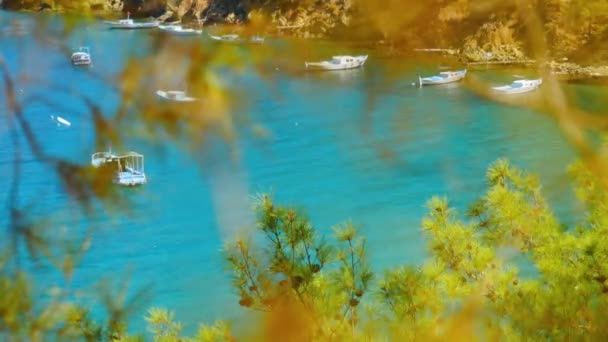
(134, 26)
(174, 96)
(226, 39)
(438, 82)
(442, 80)
(81, 62)
(508, 89)
(180, 31)
(516, 91)
(130, 179)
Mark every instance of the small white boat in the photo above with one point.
(175, 95)
(257, 39)
(338, 63)
(128, 169)
(235, 38)
(131, 24)
(61, 122)
(82, 56)
(443, 77)
(180, 30)
(519, 86)
(229, 38)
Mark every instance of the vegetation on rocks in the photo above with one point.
(495, 41)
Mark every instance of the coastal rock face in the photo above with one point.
(61, 5)
(208, 11)
(494, 41)
(300, 18)
(144, 8)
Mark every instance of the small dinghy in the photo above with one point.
(519, 86)
(175, 95)
(236, 39)
(82, 56)
(257, 40)
(227, 38)
(180, 30)
(338, 63)
(128, 169)
(61, 122)
(443, 78)
(131, 24)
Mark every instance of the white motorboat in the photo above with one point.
(180, 30)
(338, 63)
(257, 40)
(228, 38)
(519, 86)
(131, 24)
(175, 95)
(82, 56)
(235, 38)
(128, 169)
(443, 77)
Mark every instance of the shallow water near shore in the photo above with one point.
(329, 152)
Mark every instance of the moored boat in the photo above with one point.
(175, 95)
(180, 30)
(519, 86)
(257, 40)
(228, 38)
(128, 169)
(82, 56)
(236, 39)
(338, 63)
(131, 24)
(443, 78)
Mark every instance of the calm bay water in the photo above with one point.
(327, 154)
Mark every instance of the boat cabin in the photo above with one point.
(448, 74)
(126, 22)
(342, 59)
(128, 169)
(524, 83)
(82, 56)
(176, 95)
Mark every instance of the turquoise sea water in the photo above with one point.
(328, 153)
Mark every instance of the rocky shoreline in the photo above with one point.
(203, 11)
(477, 51)
(563, 70)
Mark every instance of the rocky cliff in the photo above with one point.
(206, 10)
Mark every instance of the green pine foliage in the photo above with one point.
(470, 286)
(471, 265)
